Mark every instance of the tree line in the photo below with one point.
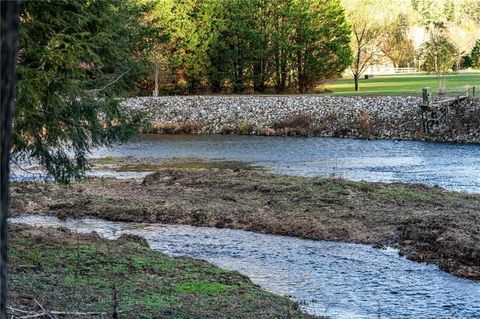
(250, 45)
(247, 46)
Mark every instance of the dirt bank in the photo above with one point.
(56, 273)
(426, 223)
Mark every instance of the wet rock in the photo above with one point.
(407, 242)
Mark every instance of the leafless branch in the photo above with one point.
(114, 81)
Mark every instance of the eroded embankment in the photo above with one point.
(427, 223)
(381, 117)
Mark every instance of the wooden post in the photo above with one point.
(427, 95)
(9, 25)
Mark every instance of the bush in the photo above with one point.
(295, 121)
(245, 128)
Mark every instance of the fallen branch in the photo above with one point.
(17, 310)
(40, 314)
(76, 313)
(32, 314)
(41, 307)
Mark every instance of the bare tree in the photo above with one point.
(395, 44)
(9, 25)
(366, 34)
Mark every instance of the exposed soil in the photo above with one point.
(427, 224)
(54, 273)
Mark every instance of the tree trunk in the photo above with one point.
(355, 78)
(259, 76)
(283, 71)
(442, 88)
(277, 71)
(8, 34)
(157, 73)
(239, 84)
(301, 84)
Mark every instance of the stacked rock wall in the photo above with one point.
(384, 117)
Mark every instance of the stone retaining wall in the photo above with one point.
(383, 117)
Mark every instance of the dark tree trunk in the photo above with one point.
(301, 84)
(277, 71)
(259, 76)
(283, 72)
(239, 80)
(157, 74)
(355, 78)
(8, 35)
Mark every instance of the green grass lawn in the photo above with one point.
(402, 84)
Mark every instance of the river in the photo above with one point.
(328, 278)
(339, 280)
(452, 166)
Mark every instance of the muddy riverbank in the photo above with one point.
(427, 224)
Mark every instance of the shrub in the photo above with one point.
(295, 121)
(192, 127)
(365, 126)
(245, 128)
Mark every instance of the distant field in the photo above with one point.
(402, 84)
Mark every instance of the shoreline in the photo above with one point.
(364, 117)
(105, 278)
(426, 224)
(297, 135)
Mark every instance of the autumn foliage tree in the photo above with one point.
(395, 43)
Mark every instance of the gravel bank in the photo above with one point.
(378, 117)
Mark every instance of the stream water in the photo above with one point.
(452, 166)
(327, 278)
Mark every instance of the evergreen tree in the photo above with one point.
(281, 14)
(475, 56)
(238, 45)
(322, 43)
(75, 58)
(261, 67)
(241, 45)
(191, 27)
